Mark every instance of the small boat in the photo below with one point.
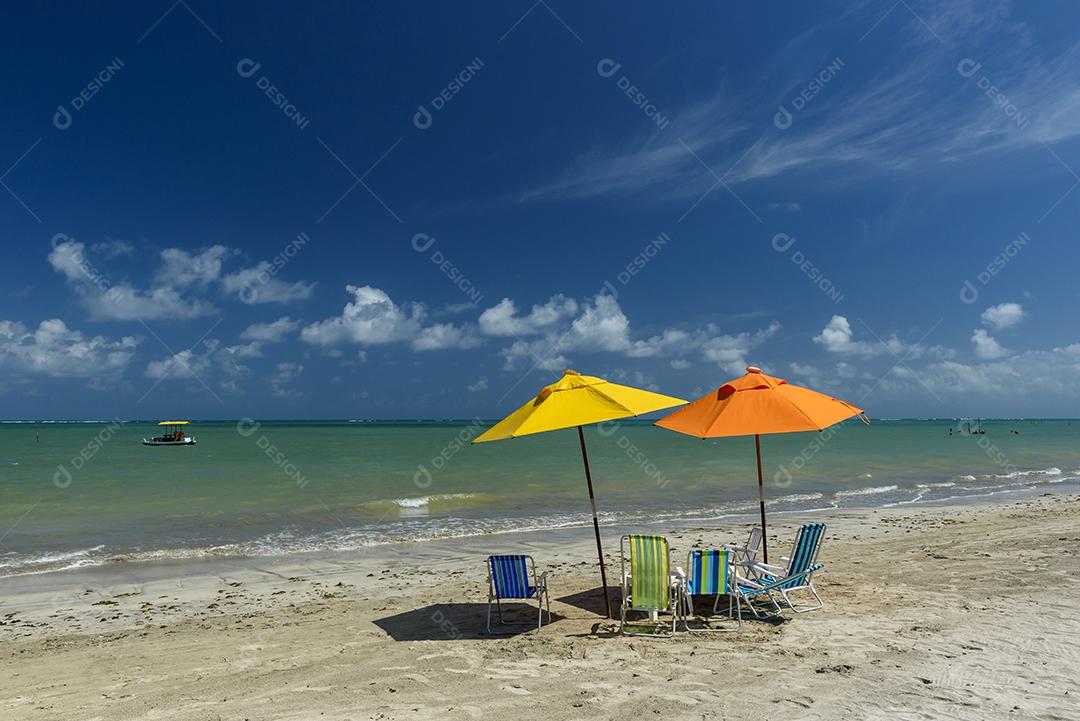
(173, 437)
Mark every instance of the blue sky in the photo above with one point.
(371, 212)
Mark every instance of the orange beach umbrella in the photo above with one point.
(757, 404)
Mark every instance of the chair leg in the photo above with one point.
(804, 609)
(498, 606)
(489, 615)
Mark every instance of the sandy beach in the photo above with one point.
(936, 612)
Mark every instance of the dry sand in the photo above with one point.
(931, 613)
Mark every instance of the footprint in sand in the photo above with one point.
(517, 690)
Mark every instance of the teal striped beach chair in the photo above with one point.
(796, 576)
(711, 572)
(647, 583)
(509, 578)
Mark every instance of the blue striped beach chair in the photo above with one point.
(509, 578)
(796, 576)
(711, 572)
(647, 585)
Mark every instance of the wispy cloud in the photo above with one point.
(904, 107)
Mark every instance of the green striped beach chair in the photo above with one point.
(711, 573)
(647, 583)
(796, 576)
(509, 578)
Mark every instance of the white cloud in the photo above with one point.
(180, 269)
(273, 332)
(53, 349)
(680, 364)
(260, 285)
(104, 300)
(185, 364)
(730, 351)
(986, 347)
(445, 335)
(212, 363)
(921, 113)
(372, 318)
(502, 319)
(479, 385)
(1003, 316)
(603, 327)
(174, 293)
(837, 337)
(246, 350)
(282, 378)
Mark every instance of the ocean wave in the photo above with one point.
(796, 497)
(943, 484)
(872, 491)
(421, 501)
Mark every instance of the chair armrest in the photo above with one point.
(781, 581)
(768, 567)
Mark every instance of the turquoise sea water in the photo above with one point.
(74, 494)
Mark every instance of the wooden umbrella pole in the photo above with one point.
(595, 522)
(761, 499)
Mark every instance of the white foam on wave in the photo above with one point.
(872, 491)
(943, 484)
(422, 501)
(796, 497)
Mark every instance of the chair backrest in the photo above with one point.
(650, 579)
(709, 571)
(510, 574)
(753, 543)
(805, 551)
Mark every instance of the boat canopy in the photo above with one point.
(174, 423)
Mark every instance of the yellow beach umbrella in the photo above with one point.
(574, 401)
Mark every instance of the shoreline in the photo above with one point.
(84, 586)
(1029, 483)
(969, 612)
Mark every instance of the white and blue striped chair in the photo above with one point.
(796, 576)
(509, 578)
(711, 573)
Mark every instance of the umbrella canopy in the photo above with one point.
(757, 404)
(574, 401)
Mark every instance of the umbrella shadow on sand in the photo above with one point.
(592, 600)
(457, 621)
